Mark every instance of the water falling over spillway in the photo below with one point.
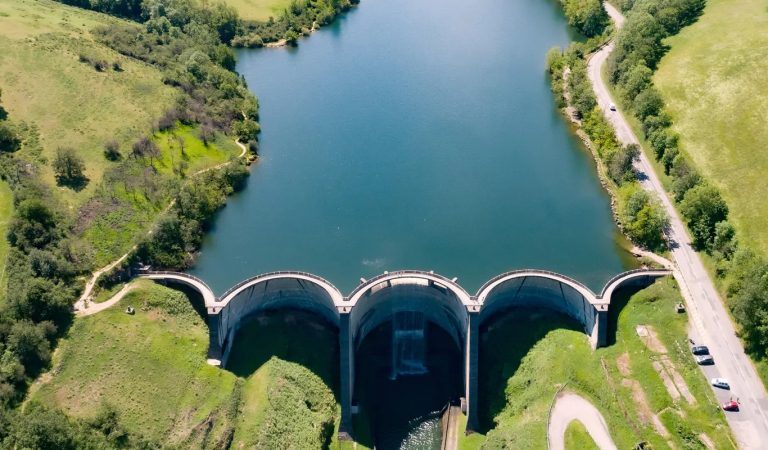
(408, 344)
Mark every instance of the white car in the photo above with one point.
(721, 383)
(612, 107)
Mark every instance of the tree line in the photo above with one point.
(48, 255)
(639, 48)
(640, 215)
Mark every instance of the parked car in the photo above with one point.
(704, 360)
(721, 383)
(612, 107)
(700, 350)
(731, 405)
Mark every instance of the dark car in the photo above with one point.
(700, 350)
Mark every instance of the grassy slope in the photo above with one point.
(6, 212)
(150, 366)
(523, 379)
(70, 102)
(714, 80)
(259, 9)
(577, 437)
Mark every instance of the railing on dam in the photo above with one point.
(628, 273)
(234, 288)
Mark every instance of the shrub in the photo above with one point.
(703, 208)
(643, 218)
(9, 138)
(620, 168)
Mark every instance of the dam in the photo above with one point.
(409, 299)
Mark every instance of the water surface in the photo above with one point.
(415, 134)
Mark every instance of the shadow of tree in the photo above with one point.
(77, 184)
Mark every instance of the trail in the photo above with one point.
(569, 407)
(83, 306)
(712, 325)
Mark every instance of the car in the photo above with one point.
(704, 360)
(721, 383)
(612, 107)
(700, 350)
(731, 405)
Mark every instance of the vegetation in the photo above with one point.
(150, 367)
(268, 395)
(577, 437)
(55, 236)
(587, 16)
(640, 46)
(718, 106)
(298, 19)
(620, 380)
(259, 10)
(643, 220)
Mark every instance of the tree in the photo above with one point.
(620, 165)
(648, 103)
(145, 148)
(643, 218)
(9, 139)
(69, 168)
(748, 299)
(703, 208)
(34, 225)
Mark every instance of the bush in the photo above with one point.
(587, 16)
(9, 138)
(643, 218)
(703, 208)
(620, 168)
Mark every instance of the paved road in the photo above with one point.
(711, 323)
(569, 407)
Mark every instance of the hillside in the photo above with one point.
(70, 102)
(713, 81)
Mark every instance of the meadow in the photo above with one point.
(70, 103)
(259, 9)
(713, 80)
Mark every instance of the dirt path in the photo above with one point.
(569, 407)
(93, 308)
(84, 306)
(711, 323)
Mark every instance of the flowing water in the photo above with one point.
(416, 134)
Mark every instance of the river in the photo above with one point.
(416, 134)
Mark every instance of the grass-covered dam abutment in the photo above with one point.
(410, 301)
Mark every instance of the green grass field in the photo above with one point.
(577, 437)
(71, 103)
(259, 9)
(714, 81)
(521, 378)
(151, 367)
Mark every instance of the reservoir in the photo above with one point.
(415, 134)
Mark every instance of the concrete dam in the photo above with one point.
(391, 296)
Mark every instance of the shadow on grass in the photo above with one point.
(504, 342)
(619, 300)
(290, 335)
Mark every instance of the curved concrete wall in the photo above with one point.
(373, 302)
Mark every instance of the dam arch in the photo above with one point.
(442, 301)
